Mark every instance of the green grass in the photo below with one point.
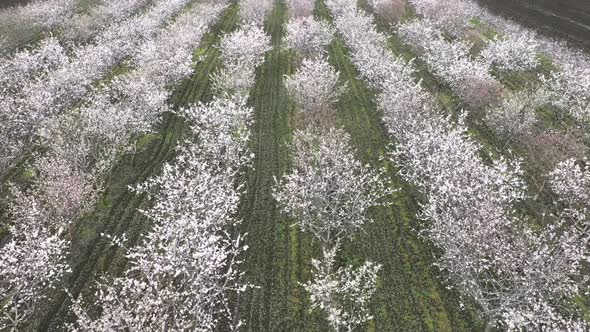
(485, 29)
(278, 258)
(117, 213)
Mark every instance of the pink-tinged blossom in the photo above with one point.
(468, 77)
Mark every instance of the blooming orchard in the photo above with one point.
(182, 271)
(74, 102)
(516, 49)
(450, 61)
(329, 191)
(39, 99)
(40, 14)
(34, 258)
(518, 277)
(82, 27)
(91, 138)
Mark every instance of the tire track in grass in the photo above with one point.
(410, 296)
(117, 212)
(278, 257)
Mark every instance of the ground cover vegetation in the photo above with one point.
(297, 165)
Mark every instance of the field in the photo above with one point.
(564, 19)
(175, 176)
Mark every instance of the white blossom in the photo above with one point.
(224, 127)
(14, 75)
(241, 52)
(519, 278)
(82, 27)
(254, 11)
(329, 191)
(183, 270)
(315, 86)
(343, 293)
(307, 36)
(571, 181)
(516, 113)
(180, 273)
(451, 15)
(42, 14)
(132, 103)
(451, 62)
(301, 8)
(513, 53)
(515, 48)
(34, 258)
(570, 86)
(41, 98)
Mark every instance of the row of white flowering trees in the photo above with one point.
(65, 19)
(451, 61)
(328, 191)
(517, 48)
(508, 114)
(445, 38)
(82, 145)
(462, 44)
(520, 277)
(35, 86)
(38, 15)
(82, 27)
(182, 271)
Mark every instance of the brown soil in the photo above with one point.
(568, 19)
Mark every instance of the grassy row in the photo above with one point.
(117, 213)
(278, 257)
